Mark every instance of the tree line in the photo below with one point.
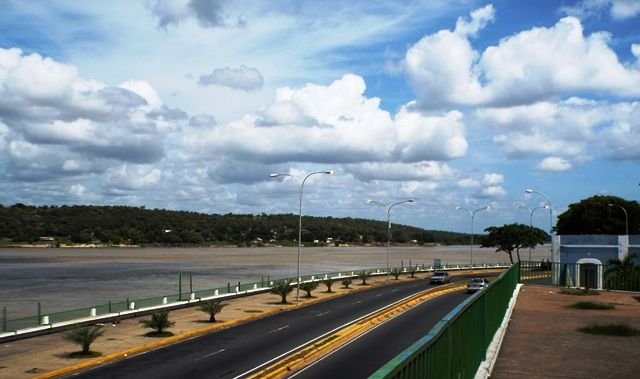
(114, 225)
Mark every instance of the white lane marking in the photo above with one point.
(357, 302)
(246, 373)
(211, 354)
(394, 290)
(380, 294)
(279, 329)
(322, 314)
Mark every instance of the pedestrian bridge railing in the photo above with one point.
(43, 321)
(458, 344)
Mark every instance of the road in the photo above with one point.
(364, 356)
(233, 352)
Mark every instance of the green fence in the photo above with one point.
(622, 277)
(456, 346)
(185, 289)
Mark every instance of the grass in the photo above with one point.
(591, 305)
(619, 330)
(578, 292)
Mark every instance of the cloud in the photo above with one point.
(479, 20)
(532, 65)
(554, 164)
(202, 120)
(334, 124)
(492, 179)
(242, 78)
(368, 171)
(208, 13)
(492, 192)
(619, 10)
(572, 129)
(132, 177)
(59, 124)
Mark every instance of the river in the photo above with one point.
(68, 278)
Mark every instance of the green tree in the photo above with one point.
(396, 273)
(159, 322)
(84, 336)
(363, 275)
(513, 237)
(308, 287)
(623, 274)
(594, 216)
(412, 271)
(212, 308)
(282, 288)
(328, 282)
(346, 282)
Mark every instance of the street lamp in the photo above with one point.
(626, 217)
(531, 211)
(389, 223)
(473, 216)
(550, 216)
(301, 186)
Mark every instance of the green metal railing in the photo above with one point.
(456, 346)
(184, 293)
(609, 277)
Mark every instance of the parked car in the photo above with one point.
(476, 284)
(440, 277)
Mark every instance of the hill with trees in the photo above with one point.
(115, 225)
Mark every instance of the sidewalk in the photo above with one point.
(542, 341)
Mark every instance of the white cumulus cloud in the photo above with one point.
(241, 78)
(554, 164)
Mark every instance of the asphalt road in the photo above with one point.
(232, 352)
(367, 354)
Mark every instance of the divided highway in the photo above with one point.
(236, 351)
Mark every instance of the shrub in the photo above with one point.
(578, 292)
(84, 336)
(282, 288)
(591, 305)
(328, 282)
(396, 273)
(363, 275)
(308, 287)
(212, 307)
(159, 322)
(346, 282)
(620, 330)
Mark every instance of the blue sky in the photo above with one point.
(190, 104)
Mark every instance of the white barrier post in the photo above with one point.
(132, 305)
(92, 313)
(164, 301)
(192, 297)
(45, 320)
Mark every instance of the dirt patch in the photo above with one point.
(542, 340)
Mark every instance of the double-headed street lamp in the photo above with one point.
(531, 211)
(473, 216)
(301, 186)
(550, 216)
(626, 216)
(389, 223)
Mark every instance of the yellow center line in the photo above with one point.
(309, 354)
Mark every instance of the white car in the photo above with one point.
(440, 277)
(476, 284)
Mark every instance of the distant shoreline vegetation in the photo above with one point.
(120, 226)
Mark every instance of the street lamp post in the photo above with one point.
(473, 216)
(389, 223)
(550, 217)
(531, 211)
(626, 216)
(300, 186)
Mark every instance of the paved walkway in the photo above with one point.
(542, 341)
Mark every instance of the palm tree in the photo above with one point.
(282, 288)
(363, 275)
(308, 287)
(346, 282)
(212, 307)
(328, 282)
(159, 322)
(396, 272)
(623, 274)
(84, 336)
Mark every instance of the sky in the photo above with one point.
(191, 104)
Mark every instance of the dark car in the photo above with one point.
(440, 277)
